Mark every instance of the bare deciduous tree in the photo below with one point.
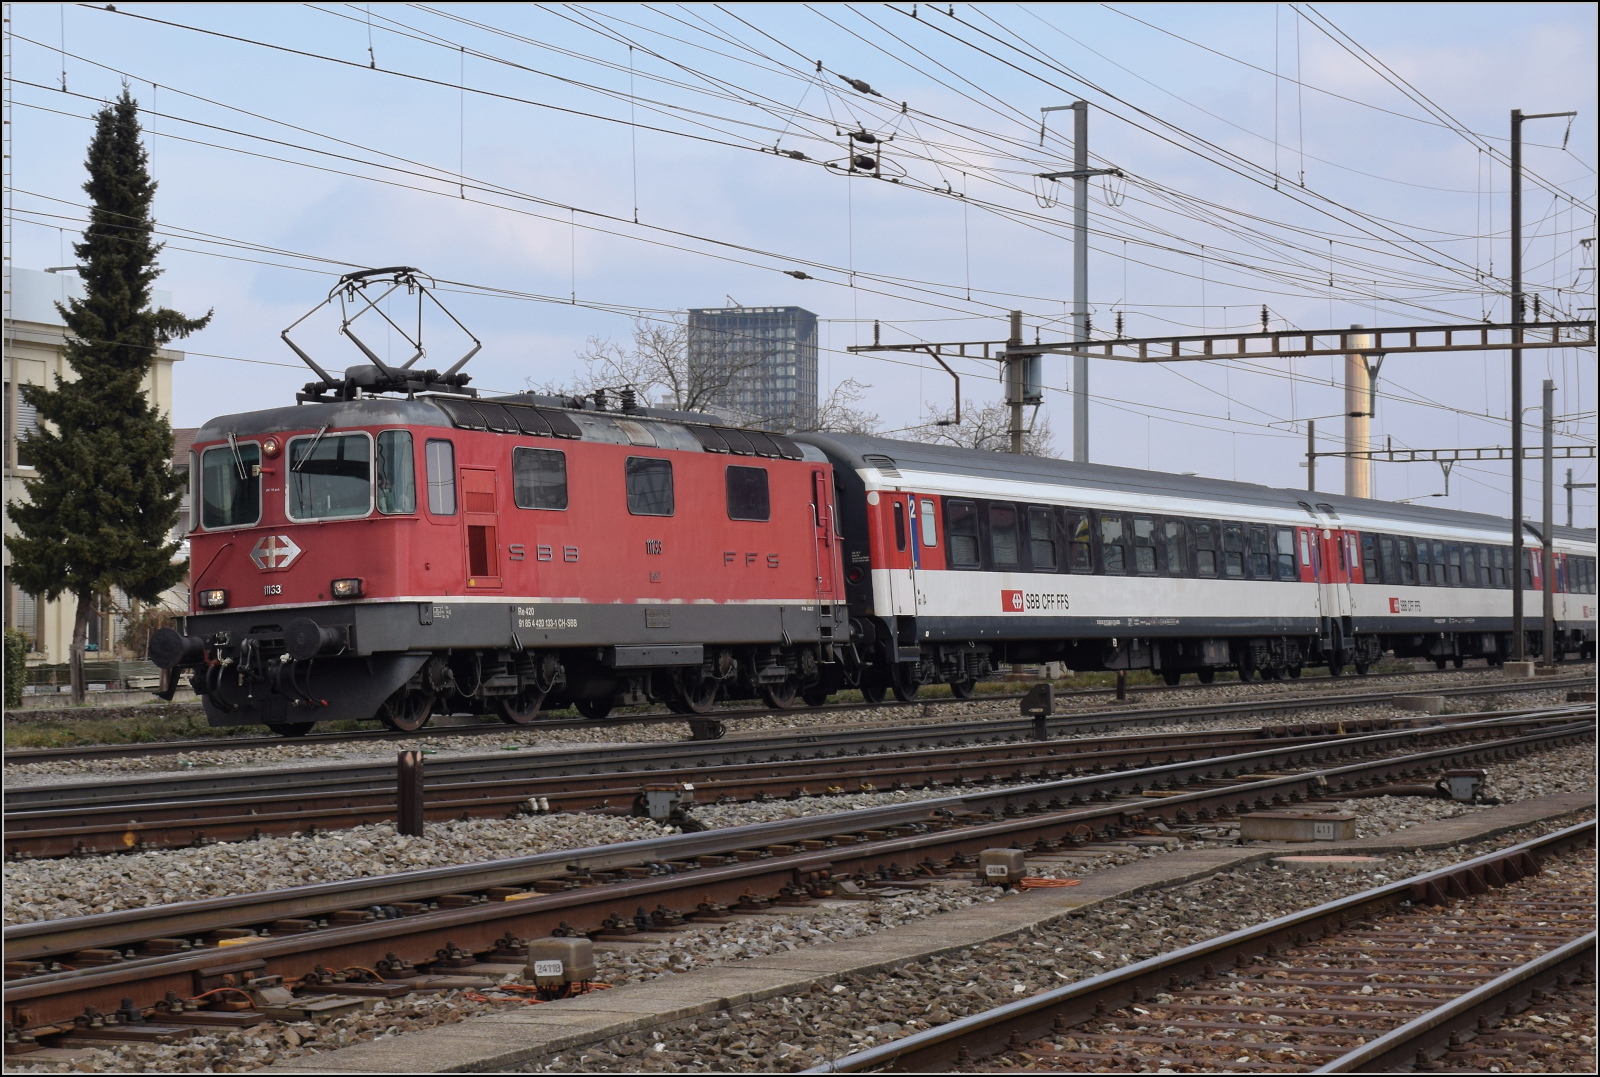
(986, 427)
(839, 414)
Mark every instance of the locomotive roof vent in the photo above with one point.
(365, 292)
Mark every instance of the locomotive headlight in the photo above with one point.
(214, 599)
(350, 588)
(270, 447)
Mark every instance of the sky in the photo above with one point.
(562, 170)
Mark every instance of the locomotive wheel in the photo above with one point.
(1171, 677)
(1207, 674)
(964, 689)
(815, 695)
(407, 710)
(781, 696)
(874, 684)
(520, 709)
(594, 708)
(699, 698)
(904, 686)
(286, 729)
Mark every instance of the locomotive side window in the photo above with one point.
(539, 478)
(900, 525)
(231, 486)
(1285, 554)
(1205, 547)
(441, 459)
(1079, 552)
(649, 482)
(397, 473)
(1260, 554)
(748, 498)
(929, 527)
(1233, 550)
(961, 533)
(330, 476)
(1173, 532)
(1003, 535)
(1144, 545)
(1042, 539)
(1112, 559)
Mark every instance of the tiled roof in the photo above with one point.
(182, 438)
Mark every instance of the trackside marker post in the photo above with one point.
(409, 768)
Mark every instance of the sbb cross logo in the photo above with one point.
(1011, 601)
(274, 552)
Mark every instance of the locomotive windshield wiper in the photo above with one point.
(300, 463)
(238, 459)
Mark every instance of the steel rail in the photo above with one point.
(745, 750)
(178, 747)
(849, 845)
(82, 829)
(1013, 811)
(987, 1033)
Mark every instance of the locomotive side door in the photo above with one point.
(481, 512)
(825, 544)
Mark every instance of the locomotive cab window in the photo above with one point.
(441, 460)
(1003, 535)
(1176, 539)
(1112, 559)
(649, 483)
(748, 497)
(961, 533)
(1233, 550)
(1205, 547)
(1144, 545)
(1041, 539)
(1080, 553)
(330, 476)
(230, 478)
(539, 478)
(396, 473)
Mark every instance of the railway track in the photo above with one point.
(405, 922)
(1398, 976)
(174, 810)
(485, 728)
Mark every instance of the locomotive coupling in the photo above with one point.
(170, 648)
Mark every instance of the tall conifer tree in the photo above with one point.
(100, 510)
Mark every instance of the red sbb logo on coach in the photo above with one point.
(1011, 601)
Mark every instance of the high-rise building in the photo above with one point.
(768, 356)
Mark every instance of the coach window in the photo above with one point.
(1469, 566)
(1502, 564)
(1485, 574)
(1144, 545)
(1407, 558)
(1080, 553)
(1112, 558)
(441, 460)
(1233, 550)
(1205, 547)
(748, 496)
(1528, 554)
(1003, 535)
(396, 473)
(1285, 554)
(961, 533)
(1042, 539)
(1389, 560)
(539, 478)
(928, 525)
(1424, 564)
(1174, 537)
(230, 480)
(1370, 573)
(1260, 554)
(1444, 573)
(899, 525)
(649, 483)
(330, 476)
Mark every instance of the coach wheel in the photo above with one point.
(903, 681)
(1335, 667)
(1362, 668)
(1270, 673)
(1171, 677)
(1458, 661)
(815, 695)
(1207, 674)
(1438, 663)
(408, 710)
(782, 696)
(594, 708)
(874, 684)
(520, 709)
(285, 729)
(964, 689)
(1294, 672)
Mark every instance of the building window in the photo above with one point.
(330, 477)
(539, 478)
(26, 421)
(649, 483)
(748, 495)
(231, 485)
(397, 473)
(961, 533)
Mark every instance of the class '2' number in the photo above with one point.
(272, 589)
(652, 546)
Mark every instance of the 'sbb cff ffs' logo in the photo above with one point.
(274, 553)
(1011, 601)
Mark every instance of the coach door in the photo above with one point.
(825, 545)
(1334, 577)
(480, 510)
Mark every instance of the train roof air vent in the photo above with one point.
(884, 464)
